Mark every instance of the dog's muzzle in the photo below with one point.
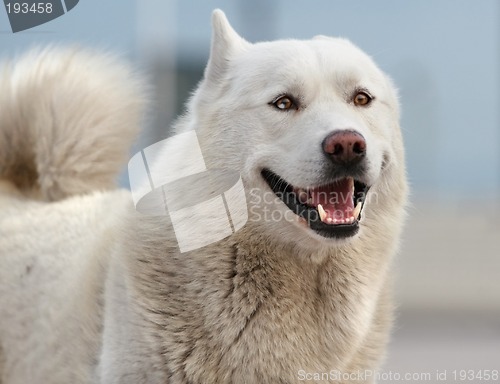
(332, 209)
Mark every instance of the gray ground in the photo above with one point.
(449, 294)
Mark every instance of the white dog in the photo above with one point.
(93, 292)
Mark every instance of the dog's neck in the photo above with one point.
(246, 283)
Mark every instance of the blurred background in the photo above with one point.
(445, 58)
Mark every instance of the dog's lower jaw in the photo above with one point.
(298, 239)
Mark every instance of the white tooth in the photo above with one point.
(322, 213)
(351, 184)
(357, 210)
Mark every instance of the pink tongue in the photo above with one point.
(336, 199)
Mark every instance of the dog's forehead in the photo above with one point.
(319, 57)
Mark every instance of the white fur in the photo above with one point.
(90, 291)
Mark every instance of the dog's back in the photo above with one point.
(67, 121)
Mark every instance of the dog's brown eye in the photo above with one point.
(285, 103)
(362, 99)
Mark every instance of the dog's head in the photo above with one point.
(313, 127)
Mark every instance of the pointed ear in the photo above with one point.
(225, 43)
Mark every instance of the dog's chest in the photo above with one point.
(267, 326)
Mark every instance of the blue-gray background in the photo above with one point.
(444, 55)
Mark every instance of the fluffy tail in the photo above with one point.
(67, 120)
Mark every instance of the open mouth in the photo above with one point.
(331, 210)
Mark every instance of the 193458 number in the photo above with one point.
(29, 8)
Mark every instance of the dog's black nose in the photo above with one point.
(345, 147)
